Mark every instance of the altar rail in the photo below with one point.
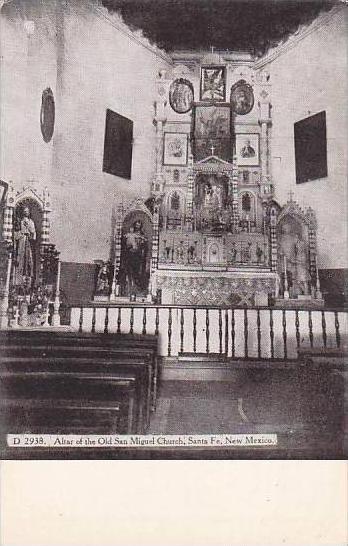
(261, 333)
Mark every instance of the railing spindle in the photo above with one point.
(94, 313)
(194, 330)
(220, 331)
(170, 332)
(106, 321)
(182, 322)
(81, 320)
(246, 352)
(297, 326)
(337, 328)
(157, 322)
(323, 326)
(233, 334)
(310, 328)
(144, 322)
(271, 332)
(131, 320)
(226, 332)
(207, 331)
(119, 319)
(258, 323)
(285, 335)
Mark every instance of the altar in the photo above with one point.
(210, 232)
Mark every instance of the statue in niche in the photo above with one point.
(103, 285)
(135, 247)
(294, 259)
(25, 238)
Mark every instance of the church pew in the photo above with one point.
(18, 342)
(102, 368)
(42, 389)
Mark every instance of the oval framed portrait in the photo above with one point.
(242, 98)
(47, 114)
(181, 96)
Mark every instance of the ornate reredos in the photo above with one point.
(41, 198)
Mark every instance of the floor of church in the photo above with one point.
(258, 403)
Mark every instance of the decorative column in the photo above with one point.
(159, 120)
(273, 239)
(155, 252)
(115, 288)
(265, 122)
(7, 230)
(5, 296)
(45, 230)
(312, 243)
(56, 304)
(189, 196)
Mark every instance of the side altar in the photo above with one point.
(210, 232)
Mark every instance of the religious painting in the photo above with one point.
(311, 148)
(118, 145)
(181, 96)
(213, 83)
(175, 149)
(212, 131)
(242, 98)
(247, 149)
(47, 114)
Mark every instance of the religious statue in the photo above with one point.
(294, 260)
(24, 257)
(103, 286)
(135, 246)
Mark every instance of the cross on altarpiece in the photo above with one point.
(212, 150)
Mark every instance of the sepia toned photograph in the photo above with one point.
(173, 236)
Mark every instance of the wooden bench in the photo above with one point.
(73, 344)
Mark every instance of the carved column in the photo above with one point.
(265, 122)
(160, 119)
(189, 196)
(273, 240)
(312, 242)
(118, 240)
(5, 296)
(155, 251)
(7, 230)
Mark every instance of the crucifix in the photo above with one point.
(212, 150)
(212, 49)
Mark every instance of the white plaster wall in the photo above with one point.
(27, 67)
(91, 66)
(309, 78)
(103, 68)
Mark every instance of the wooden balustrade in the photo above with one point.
(245, 333)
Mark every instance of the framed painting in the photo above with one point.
(181, 96)
(212, 131)
(118, 145)
(175, 149)
(248, 149)
(213, 83)
(242, 98)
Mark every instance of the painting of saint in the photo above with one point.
(242, 98)
(175, 149)
(181, 96)
(213, 83)
(212, 131)
(247, 149)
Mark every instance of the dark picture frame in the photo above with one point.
(310, 142)
(213, 83)
(242, 98)
(47, 114)
(175, 149)
(181, 96)
(118, 145)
